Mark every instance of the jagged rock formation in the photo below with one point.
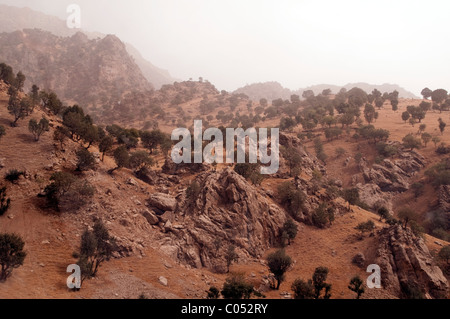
(228, 210)
(406, 264)
(14, 19)
(76, 68)
(384, 180)
(309, 163)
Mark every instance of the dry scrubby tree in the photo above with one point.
(426, 138)
(293, 160)
(323, 215)
(303, 289)
(12, 254)
(292, 198)
(357, 285)
(313, 288)
(235, 287)
(38, 128)
(67, 192)
(351, 195)
(278, 263)
(85, 160)
(105, 145)
(231, 256)
(407, 215)
(289, 230)
(368, 226)
(121, 157)
(411, 142)
(442, 125)
(60, 135)
(96, 247)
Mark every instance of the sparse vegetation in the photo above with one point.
(12, 254)
(365, 227)
(292, 198)
(323, 215)
(303, 289)
(407, 215)
(96, 247)
(289, 230)
(278, 263)
(231, 256)
(13, 175)
(85, 160)
(356, 285)
(236, 287)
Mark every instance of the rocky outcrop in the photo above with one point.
(309, 163)
(227, 211)
(393, 175)
(382, 181)
(372, 195)
(407, 265)
(76, 68)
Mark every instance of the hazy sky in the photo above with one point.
(297, 43)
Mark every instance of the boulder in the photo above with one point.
(163, 281)
(151, 217)
(163, 202)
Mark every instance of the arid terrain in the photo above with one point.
(87, 177)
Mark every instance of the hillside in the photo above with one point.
(162, 232)
(79, 70)
(15, 19)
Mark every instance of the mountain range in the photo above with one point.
(274, 90)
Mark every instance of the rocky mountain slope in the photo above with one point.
(76, 68)
(173, 245)
(15, 19)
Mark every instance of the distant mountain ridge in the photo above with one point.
(14, 19)
(274, 90)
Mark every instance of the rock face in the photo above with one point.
(406, 264)
(75, 67)
(383, 181)
(228, 210)
(309, 163)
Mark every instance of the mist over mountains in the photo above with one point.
(20, 55)
(13, 19)
(274, 90)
